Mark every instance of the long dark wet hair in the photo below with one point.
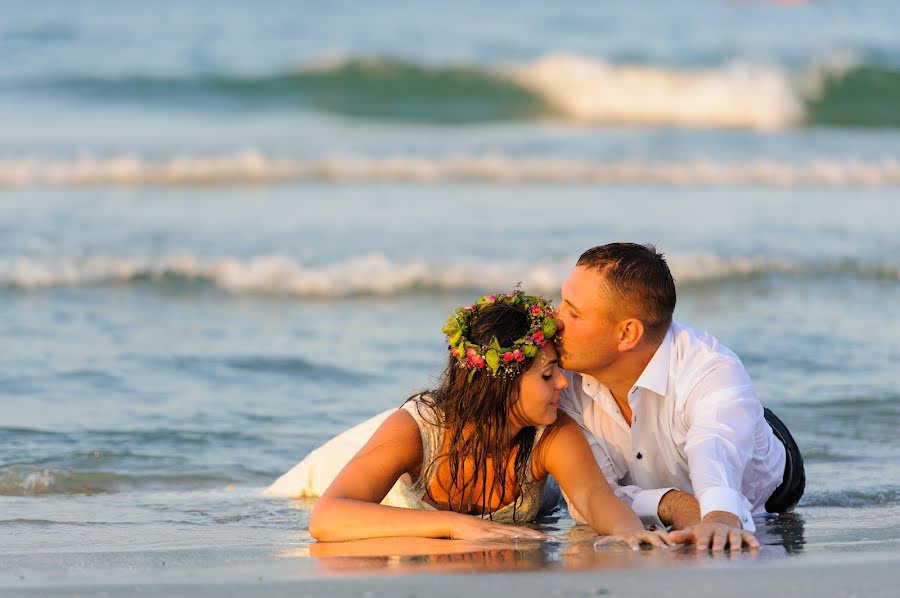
(476, 415)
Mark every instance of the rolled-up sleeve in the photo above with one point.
(719, 442)
(645, 505)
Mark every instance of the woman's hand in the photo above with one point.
(635, 537)
(469, 527)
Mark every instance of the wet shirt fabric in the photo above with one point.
(697, 426)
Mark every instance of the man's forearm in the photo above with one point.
(679, 509)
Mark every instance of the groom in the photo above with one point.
(669, 412)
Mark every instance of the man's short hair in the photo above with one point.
(637, 278)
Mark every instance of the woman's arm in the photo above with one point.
(564, 453)
(350, 510)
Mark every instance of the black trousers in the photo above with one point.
(786, 496)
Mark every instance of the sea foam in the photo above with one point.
(376, 274)
(252, 166)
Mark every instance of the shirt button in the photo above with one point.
(652, 528)
(640, 456)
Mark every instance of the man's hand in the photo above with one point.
(717, 531)
(679, 510)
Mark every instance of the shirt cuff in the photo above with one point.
(723, 498)
(645, 505)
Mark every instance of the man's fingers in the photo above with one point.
(735, 540)
(681, 536)
(703, 540)
(718, 540)
(750, 540)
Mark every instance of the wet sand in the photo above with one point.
(826, 578)
(437, 568)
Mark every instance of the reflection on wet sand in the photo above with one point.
(572, 550)
(785, 530)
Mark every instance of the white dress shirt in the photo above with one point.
(697, 426)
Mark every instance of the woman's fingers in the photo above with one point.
(501, 530)
(634, 539)
(664, 535)
(653, 539)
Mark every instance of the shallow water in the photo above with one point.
(222, 245)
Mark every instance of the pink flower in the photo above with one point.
(518, 355)
(542, 344)
(536, 310)
(470, 307)
(491, 298)
(474, 359)
(508, 356)
(454, 352)
(538, 336)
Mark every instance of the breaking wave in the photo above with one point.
(376, 274)
(27, 481)
(566, 87)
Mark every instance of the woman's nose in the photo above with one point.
(561, 381)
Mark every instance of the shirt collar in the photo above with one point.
(655, 376)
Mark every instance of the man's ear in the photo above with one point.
(631, 332)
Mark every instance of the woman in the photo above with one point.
(473, 455)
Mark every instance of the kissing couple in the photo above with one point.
(651, 429)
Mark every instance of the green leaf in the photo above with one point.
(454, 338)
(471, 374)
(495, 344)
(492, 358)
(549, 328)
(530, 350)
(451, 326)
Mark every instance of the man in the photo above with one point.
(670, 414)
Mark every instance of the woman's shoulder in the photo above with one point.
(564, 430)
(423, 407)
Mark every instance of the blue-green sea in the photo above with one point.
(228, 231)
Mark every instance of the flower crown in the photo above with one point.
(501, 362)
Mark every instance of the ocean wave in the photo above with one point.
(254, 167)
(273, 365)
(26, 481)
(376, 274)
(567, 87)
(888, 495)
(736, 95)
